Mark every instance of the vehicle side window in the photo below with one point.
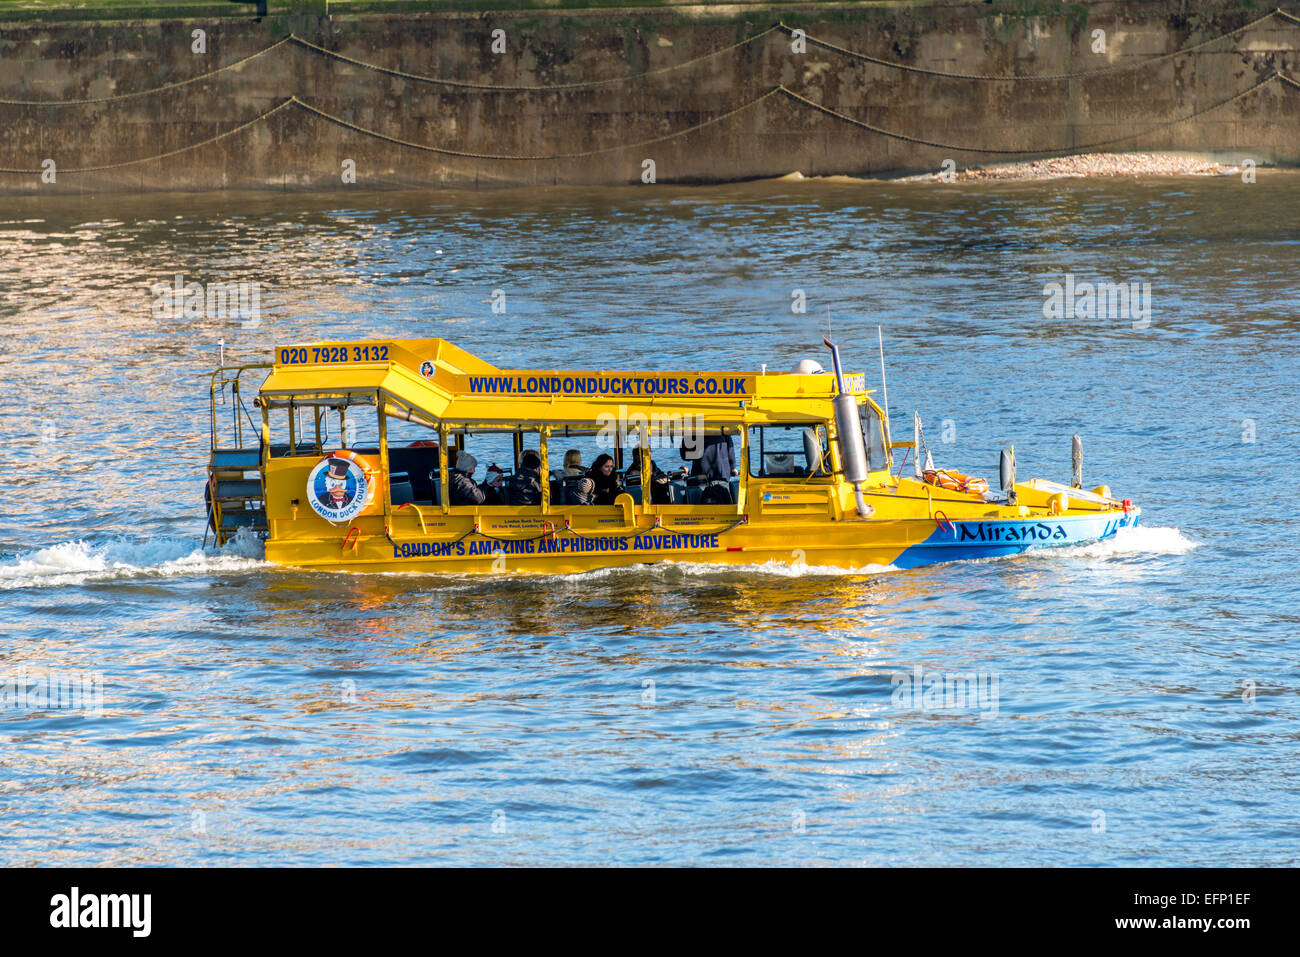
(873, 437)
(787, 451)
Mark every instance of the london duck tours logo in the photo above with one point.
(340, 486)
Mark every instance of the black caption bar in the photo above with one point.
(270, 907)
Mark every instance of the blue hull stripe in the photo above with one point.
(979, 539)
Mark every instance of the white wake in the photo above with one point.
(79, 562)
(1144, 539)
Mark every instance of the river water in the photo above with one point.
(1137, 702)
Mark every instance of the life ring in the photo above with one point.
(956, 482)
(362, 462)
(341, 486)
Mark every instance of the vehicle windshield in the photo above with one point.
(873, 436)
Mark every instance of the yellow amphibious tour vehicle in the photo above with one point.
(354, 465)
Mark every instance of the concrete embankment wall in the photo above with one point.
(1183, 102)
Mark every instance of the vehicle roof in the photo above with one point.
(458, 386)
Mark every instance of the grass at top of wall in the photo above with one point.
(66, 10)
(60, 10)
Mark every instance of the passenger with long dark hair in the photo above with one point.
(608, 483)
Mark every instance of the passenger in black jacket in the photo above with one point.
(716, 461)
(464, 490)
(525, 486)
(714, 466)
(661, 491)
(608, 483)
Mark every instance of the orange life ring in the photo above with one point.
(362, 462)
(956, 482)
(942, 479)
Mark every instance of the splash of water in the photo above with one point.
(78, 562)
(1143, 539)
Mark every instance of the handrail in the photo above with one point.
(220, 372)
(424, 530)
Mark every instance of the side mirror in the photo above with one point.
(812, 452)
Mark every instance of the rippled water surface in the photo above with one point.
(1146, 688)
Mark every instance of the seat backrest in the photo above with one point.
(522, 489)
(417, 462)
(400, 488)
(568, 488)
(713, 494)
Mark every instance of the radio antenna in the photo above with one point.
(884, 386)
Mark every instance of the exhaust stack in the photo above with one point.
(848, 429)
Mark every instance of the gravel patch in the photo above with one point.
(1087, 164)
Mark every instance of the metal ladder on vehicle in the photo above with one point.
(235, 497)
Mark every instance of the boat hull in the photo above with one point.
(868, 545)
(966, 540)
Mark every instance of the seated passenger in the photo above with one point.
(607, 483)
(716, 461)
(661, 489)
(464, 490)
(572, 464)
(584, 493)
(525, 486)
(713, 466)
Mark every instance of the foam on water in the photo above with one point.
(702, 569)
(1143, 539)
(78, 562)
(1151, 540)
(661, 568)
